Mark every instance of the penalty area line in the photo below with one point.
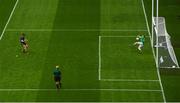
(99, 56)
(130, 80)
(119, 90)
(120, 36)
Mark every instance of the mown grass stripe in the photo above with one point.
(128, 90)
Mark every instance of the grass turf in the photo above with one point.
(75, 51)
(169, 9)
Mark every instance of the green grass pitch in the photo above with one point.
(91, 41)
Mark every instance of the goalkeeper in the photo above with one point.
(140, 42)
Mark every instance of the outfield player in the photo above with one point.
(23, 43)
(57, 77)
(140, 42)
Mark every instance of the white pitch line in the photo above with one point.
(99, 69)
(147, 24)
(130, 80)
(115, 36)
(120, 36)
(12, 12)
(162, 89)
(125, 90)
(50, 30)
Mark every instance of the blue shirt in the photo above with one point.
(57, 73)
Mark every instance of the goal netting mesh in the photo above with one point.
(162, 42)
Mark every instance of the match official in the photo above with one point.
(57, 77)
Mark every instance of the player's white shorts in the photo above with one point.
(139, 43)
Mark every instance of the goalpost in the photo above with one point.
(161, 40)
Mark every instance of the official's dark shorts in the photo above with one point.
(57, 79)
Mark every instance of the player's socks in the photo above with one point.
(57, 86)
(24, 51)
(140, 51)
(60, 85)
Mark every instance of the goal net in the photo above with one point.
(160, 39)
(165, 55)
